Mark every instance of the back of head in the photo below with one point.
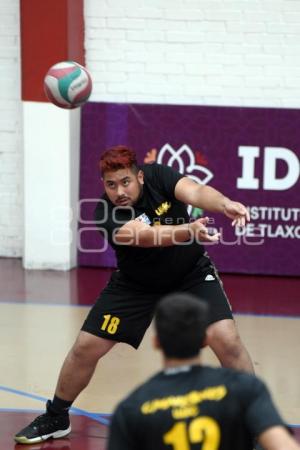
(180, 321)
(116, 158)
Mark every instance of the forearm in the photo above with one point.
(209, 199)
(200, 196)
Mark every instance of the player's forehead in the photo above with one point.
(118, 175)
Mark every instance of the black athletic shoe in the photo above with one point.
(44, 427)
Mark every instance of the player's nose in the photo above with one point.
(120, 190)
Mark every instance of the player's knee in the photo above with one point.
(89, 348)
(227, 345)
(84, 350)
(80, 350)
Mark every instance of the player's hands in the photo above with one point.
(199, 230)
(237, 212)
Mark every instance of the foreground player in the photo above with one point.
(188, 405)
(143, 215)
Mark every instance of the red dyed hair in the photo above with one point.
(118, 157)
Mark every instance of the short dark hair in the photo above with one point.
(180, 321)
(116, 158)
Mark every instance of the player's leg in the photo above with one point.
(222, 334)
(119, 315)
(76, 372)
(223, 338)
(80, 364)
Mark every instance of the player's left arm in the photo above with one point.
(209, 199)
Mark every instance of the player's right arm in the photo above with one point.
(277, 438)
(139, 234)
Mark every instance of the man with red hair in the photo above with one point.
(143, 215)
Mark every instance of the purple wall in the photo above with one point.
(218, 145)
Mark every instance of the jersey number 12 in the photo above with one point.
(201, 430)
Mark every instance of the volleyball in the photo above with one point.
(67, 84)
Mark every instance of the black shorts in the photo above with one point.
(124, 311)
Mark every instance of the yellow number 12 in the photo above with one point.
(202, 429)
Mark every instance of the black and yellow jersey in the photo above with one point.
(194, 407)
(156, 267)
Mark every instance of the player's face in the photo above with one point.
(123, 187)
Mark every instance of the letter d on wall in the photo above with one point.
(272, 155)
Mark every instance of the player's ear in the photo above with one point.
(155, 343)
(140, 176)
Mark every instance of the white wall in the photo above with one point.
(208, 52)
(51, 174)
(11, 178)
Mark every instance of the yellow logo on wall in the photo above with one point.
(163, 208)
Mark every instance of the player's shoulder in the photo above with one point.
(154, 168)
(241, 382)
(151, 169)
(234, 375)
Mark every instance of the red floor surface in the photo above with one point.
(253, 294)
(81, 286)
(86, 434)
